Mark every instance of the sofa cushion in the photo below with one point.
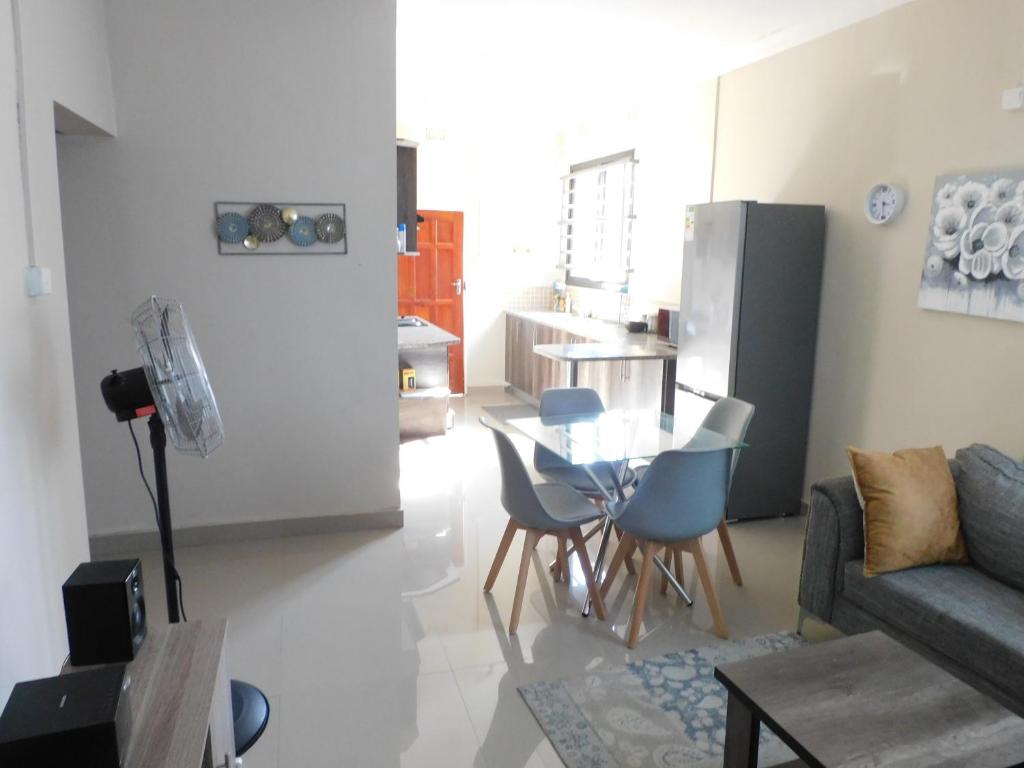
(910, 509)
(955, 609)
(990, 486)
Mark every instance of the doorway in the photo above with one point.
(431, 285)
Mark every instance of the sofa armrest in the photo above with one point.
(835, 536)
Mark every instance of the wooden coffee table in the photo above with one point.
(865, 700)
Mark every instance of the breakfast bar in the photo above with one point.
(613, 351)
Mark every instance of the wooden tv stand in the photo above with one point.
(181, 698)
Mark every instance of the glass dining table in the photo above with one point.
(602, 444)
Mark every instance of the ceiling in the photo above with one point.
(573, 52)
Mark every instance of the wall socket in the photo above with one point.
(1013, 99)
(38, 281)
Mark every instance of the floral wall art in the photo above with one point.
(975, 259)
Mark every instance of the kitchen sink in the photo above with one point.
(410, 321)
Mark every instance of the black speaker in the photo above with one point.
(105, 612)
(78, 720)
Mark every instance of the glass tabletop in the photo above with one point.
(591, 438)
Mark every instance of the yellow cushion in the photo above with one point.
(910, 509)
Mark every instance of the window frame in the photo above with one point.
(626, 216)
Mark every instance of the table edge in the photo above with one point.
(763, 717)
(733, 689)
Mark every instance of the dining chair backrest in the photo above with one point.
(517, 494)
(731, 417)
(682, 496)
(563, 402)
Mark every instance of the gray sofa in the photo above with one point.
(967, 618)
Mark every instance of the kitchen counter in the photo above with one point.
(426, 335)
(589, 327)
(606, 350)
(545, 350)
(423, 347)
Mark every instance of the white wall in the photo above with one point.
(42, 506)
(897, 98)
(502, 170)
(243, 100)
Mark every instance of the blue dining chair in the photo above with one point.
(546, 509)
(570, 401)
(731, 417)
(681, 498)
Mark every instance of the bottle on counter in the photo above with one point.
(401, 238)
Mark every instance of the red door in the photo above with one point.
(430, 285)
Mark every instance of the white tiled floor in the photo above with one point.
(380, 648)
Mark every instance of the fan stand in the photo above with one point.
(158, 441)
(249, 706)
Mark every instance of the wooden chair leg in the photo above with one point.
(563, 561)
(679, 567)
(730, 553)
(668, 564)
(717, 616)
(643, 586)
(588, 573)
(631, 567)
(626, 543)
(499, 556)
(586, 537)
(532, 537)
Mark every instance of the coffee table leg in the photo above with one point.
(742, 730)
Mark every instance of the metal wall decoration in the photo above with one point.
(330, 228)
(266, 223)
(232, 227)
(257, 228)
(302, 231)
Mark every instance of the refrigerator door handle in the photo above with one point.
(698, 392)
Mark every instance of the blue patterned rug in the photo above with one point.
(665, 712)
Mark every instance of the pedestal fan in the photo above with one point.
(172, 389)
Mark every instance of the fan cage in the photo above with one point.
(177, 377)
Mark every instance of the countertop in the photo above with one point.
(606, 350)
(593, 329)
(427, 335)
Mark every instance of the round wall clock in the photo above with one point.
(884, 203)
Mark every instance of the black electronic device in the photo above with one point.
(127, 394)
(78, 720)
(105, 612)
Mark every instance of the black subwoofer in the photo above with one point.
(105, 612)
(78, 720)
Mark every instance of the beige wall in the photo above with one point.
(903, 97)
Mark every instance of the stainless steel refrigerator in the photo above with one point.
(748, 327)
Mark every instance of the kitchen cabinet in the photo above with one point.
(519, 363)
(407, 192)
(624, 384)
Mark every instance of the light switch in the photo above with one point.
(38, 281)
